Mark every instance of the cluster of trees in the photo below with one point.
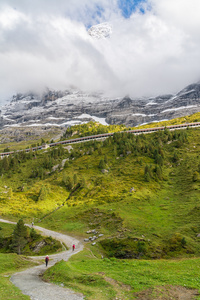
(45, 162)
(126, 248)
(142, 144)
(122, 144)
(25, 240)
(13, 162)
(132, 248)
(21, 236)
(73, 182)
(42, 142)
(43, 193)
(151, 172)
(147, 145)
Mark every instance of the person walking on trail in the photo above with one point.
(46, 260)
(73, 247)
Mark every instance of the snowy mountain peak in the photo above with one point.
(99, 31)
(61, 109)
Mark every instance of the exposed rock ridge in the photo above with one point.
(66, 108)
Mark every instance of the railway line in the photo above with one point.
(103, 136)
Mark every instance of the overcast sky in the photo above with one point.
(154, 47)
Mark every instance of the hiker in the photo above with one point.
(32, 224)
(46, 260)
(73, 247)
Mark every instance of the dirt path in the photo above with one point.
(30, 282)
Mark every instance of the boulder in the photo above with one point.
(104, 171)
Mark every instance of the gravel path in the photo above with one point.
(30, 282)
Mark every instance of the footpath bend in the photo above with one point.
(30, 282)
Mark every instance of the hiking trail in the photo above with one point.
(30, 281)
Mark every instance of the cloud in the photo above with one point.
(47, 45)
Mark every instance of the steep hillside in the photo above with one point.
(140, 192)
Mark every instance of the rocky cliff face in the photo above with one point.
(65, 108)
(133, 112)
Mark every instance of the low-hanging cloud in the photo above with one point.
(47, 45)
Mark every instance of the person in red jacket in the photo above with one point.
(46, 260)
(73, 247)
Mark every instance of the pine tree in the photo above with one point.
(159, 160)
(102, 164)
(99, 151)
(69, 183)
(82, 182)
(158, 172)
(41, 173)
(75, 178)
(43, 193)
(20, 235)
(5, 164)
(105, 159)
(175, 157)
(33, 234)
(64, 179)
(115, 151)
(195, 176)
(147, 177)
(147, 173)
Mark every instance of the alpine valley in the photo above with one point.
(129, 201)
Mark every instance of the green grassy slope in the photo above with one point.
(10, 263)
(105, 279)
(141, 192)
(145, 200)
(161, 214)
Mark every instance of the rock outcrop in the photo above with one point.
(65, 108)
